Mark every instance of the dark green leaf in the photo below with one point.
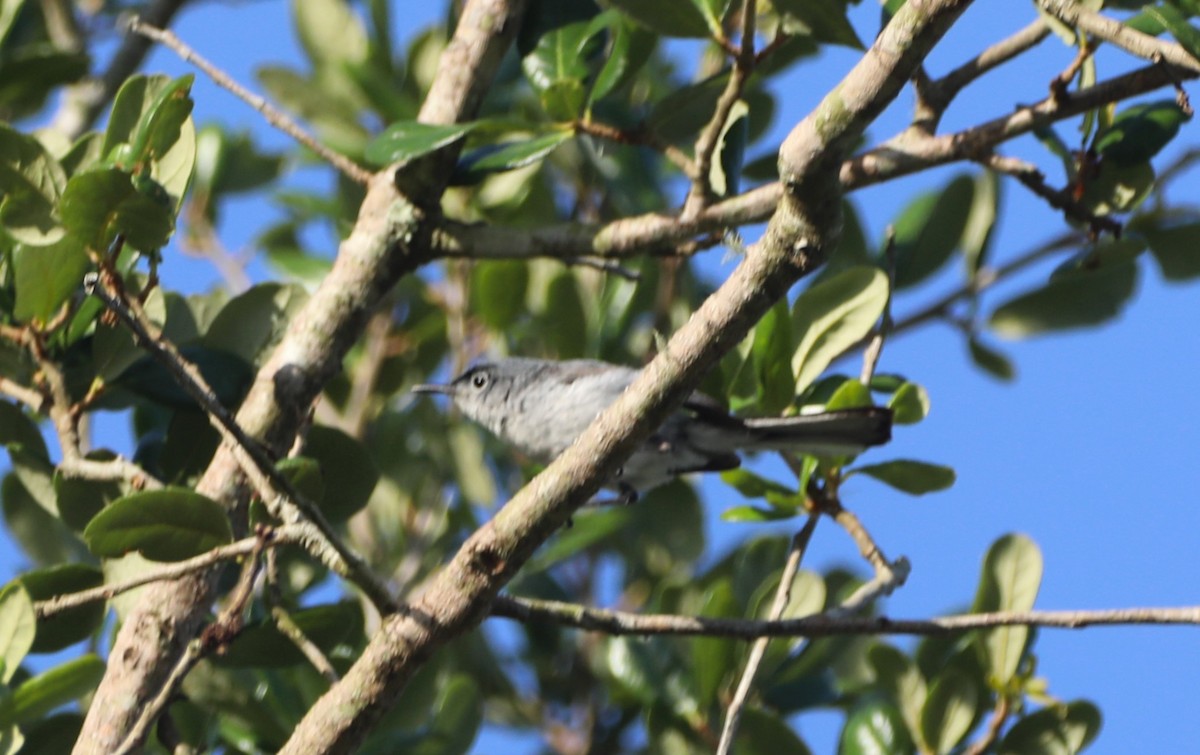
(1176, 250)
(43, 537)
(228, 163)
(498, 158)
(31, 73)
(909, 404)
(18, 625)
(171, 524)
(457, 716)
(765, 733)
(823, 20)
(673, 19)
(990, 360)
(752, 485)
(100, 203)
(1091, 293)
(498, 291)
(346, 468)
(914, 477)
(1118, 188)
(75, 624)
(930, 228)
(36, 476)
(833, 315)
(565, 316)
(409, 139)
(681, 114)
(305, 475)
(227, 374)
(250, 324)
(262, 645)
(898, 676)
(147, 108)
(43, 693)
(17, 427)
(1062, 729)
(1140, 131)
(55, 735)
(588, 529)
(1012, 573)
(724, 175)
(31, 182)
(79, 499)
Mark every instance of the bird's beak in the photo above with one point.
(433, 388)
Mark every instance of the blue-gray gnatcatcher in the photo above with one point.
(541, 406)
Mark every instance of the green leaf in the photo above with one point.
(752, 485)
(31, 182)
(99, 204)
(228, 163)
(470, 464)
(755, 514)
(409, 139)
(1176, 250)
(913, 477)
(565, 316)
(672, 19)
(850, 394)
(681, 114)
(305, 475)
(909, 404)
(75, 624)
(1062, 729)
(40, 534)
(37, 696)
(330, 32)
(949, 710)
(833, 315)
(981, 221)
(262, 645)
(18, 625)
(36, 475)
(765, 733)
(1139, 132)
(823, 20)
(771, 353)
(1012, 573)
(457, 716)
(990, 360)
(874, 727)
(498, 158)
(46, 277)
(148, 110)
(901, 680)
(724, 175)
(562, 65)
(347, 469)
(630, 48)
(227, 374)
(54, 735)
(1089, 294)
(30, 73)
(588, 529)
(498, 291)
(17, 427)
(172, 524)
(714, 659)
(250, 324)
(930, 228)
(1118, 188)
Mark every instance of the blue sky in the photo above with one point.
(1091, 451)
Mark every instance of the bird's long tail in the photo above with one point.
(836, 433)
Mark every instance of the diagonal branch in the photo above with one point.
(804, 227)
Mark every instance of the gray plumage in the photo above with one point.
(541, 406)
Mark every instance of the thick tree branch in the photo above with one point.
(390, 239)
(625, 623)
(1110, 30)
(456, 598)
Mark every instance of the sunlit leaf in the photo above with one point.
(1012, 574)
(832, 316)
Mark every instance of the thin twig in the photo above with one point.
(641, 137)
(272, 114)
(936, 95)
(1127, 38)
(1061, 199)
(26, 396)
(284, 622)
(994, 725)
(874, 348)
(783, 595)
(821, 625)
(287, 534)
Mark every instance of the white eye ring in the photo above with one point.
(479, 380)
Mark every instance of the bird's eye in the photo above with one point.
(479, 380)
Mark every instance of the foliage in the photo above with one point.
(405, 486)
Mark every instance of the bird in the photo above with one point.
(540, 406)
